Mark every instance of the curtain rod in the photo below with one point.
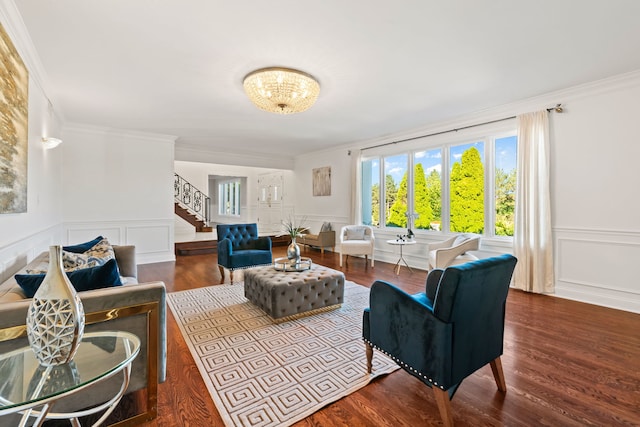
(558, 109)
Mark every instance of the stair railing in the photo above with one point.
(191, 198)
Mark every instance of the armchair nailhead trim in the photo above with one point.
(245, 267)
(401, 363)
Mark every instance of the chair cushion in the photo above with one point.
(326, 226)
(355, 233)
(249, 258)
(86, 279)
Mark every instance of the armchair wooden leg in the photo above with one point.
(221, 268)
(444, 406)
(498, 374)
(369, 351)
(231, 276)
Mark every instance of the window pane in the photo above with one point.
(505, 184)
(466, 188)
(371, 192)
(395, 173)
(229, 198)
(427, 183)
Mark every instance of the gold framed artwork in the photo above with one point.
(14, 110)
(322, 181)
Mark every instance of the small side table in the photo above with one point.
(401, 243)
(32, 389)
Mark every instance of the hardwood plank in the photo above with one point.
(565, 363)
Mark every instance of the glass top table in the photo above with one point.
(28, 385)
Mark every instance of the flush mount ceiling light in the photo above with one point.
(281, 90)
(50, 143)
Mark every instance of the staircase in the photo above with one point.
(199, 224)
(192, 205)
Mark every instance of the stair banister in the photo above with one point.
(191, 198)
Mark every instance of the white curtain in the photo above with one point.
(533, 245)
(356, 190)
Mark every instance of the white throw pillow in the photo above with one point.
(355, 233)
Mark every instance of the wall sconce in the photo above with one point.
(49, 143)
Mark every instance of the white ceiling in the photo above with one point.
(176, 66)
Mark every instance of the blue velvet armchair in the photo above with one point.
(240, 247)
(448, 332)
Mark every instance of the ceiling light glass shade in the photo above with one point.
(281, 90)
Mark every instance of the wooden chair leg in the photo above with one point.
(369, 351)
(231, 276)
(444, 406)
(221, 268)
(498, 374)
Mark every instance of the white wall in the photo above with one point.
(596, 208)
(25, 235)
(335, 208)
(594, 184)
(119, 184)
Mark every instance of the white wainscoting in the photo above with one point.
(18, 254)
(598, 267)
(153, 239)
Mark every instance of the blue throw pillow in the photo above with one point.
(83, 247)
(85, 279)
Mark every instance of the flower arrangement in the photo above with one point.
(292, 229)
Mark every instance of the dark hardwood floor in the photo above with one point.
(566, 364)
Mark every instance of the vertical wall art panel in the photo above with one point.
(322, 181)
(14, 97)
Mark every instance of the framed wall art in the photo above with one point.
(14, 110)
(322, 181)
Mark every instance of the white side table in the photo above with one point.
(32, 389)
(401, 243)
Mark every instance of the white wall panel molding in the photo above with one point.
(16, 255)
(154, 239)
(592, 266)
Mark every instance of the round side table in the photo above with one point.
(32, 389)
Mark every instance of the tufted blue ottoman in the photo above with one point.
(282, 293)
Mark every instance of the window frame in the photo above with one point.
(487, 136)
(223, 197)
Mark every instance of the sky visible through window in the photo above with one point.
(396, 166)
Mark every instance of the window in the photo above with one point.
(427, 189)
(371, 192)
(229, 198)
(505, 185)
(465, 186)
(395, 183)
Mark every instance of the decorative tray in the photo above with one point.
(284, 264)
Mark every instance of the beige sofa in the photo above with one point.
(135, 307)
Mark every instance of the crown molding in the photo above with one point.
(539, 102)
(118, 133)
(14, 26)
(203, 154)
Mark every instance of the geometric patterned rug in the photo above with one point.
(262, 372)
